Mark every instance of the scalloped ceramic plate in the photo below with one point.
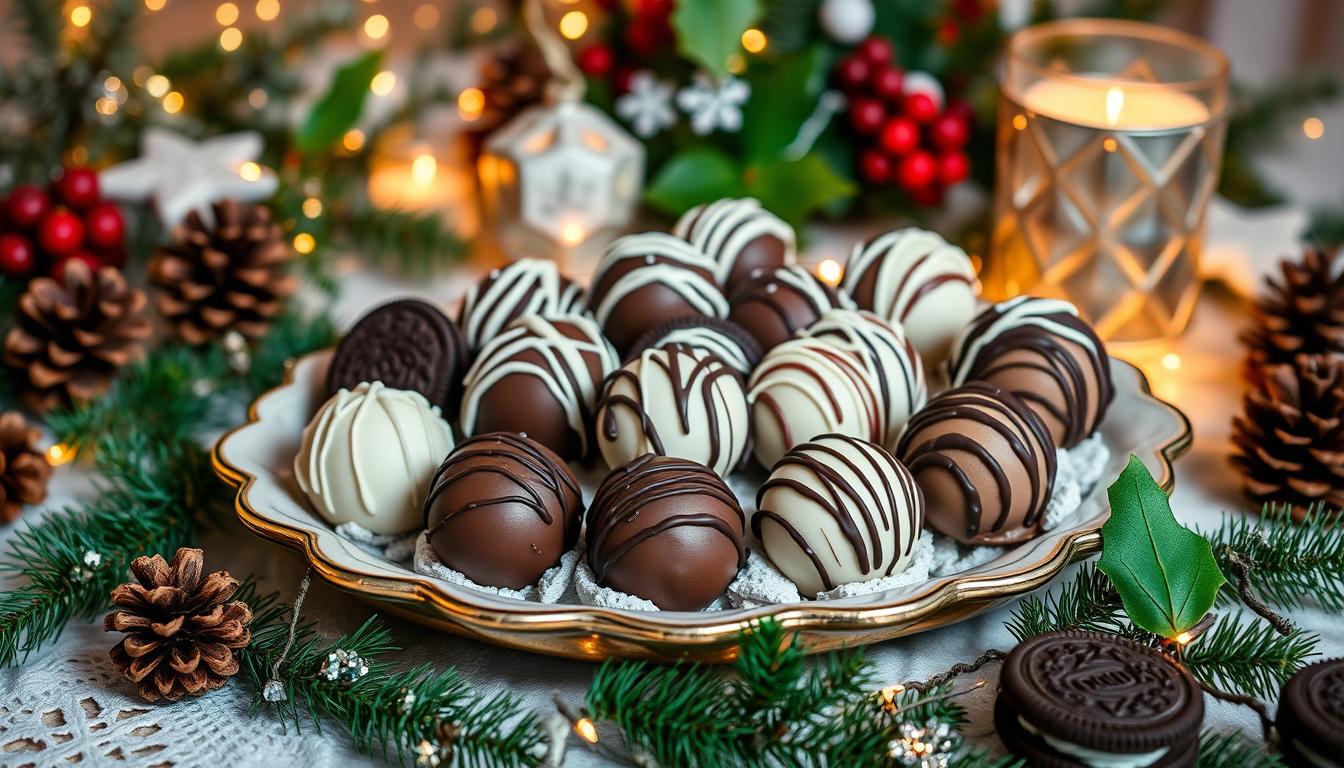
(257, 456)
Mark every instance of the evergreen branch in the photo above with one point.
(1088, 602)
(1233, 750)
(1290, 564)
(1260, 121)
(413, 243)
(1326, 227)
(1249, 657)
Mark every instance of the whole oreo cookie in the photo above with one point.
(1084, 698)
(407, 344)
(1311, 716)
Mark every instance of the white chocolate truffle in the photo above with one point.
(917, 279)
(838, 510)
(888, 355)
(729, 341)
(675, 400)
(740, 236)
(524, 287)
(368, 457)
(807, 387)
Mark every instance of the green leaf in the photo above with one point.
(782, 97)
(339, 108)
(1165, 573)
(710, 31)
(792, 189)
(695, 176)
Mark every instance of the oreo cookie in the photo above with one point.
(727, 340)
(1311, 716)
(407, 344)
(1071, 699)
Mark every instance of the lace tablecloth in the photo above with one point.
(67, 701)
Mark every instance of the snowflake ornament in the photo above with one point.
(714, 105)
(647, 106)
(342, 666)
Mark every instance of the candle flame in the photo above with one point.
(572, 233)
(1115, 101)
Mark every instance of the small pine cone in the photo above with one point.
(69, 339)
(229, 275)
(181, 629)
(1302, 312)
(24, 469)
(512, 78)
(1289, 443)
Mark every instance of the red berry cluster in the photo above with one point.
(41, 230)
(906, 138)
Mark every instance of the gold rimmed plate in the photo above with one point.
(257, 456)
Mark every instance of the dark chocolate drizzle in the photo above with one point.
(928, 286)
(880, 332)
(846, 364)
(757, 290)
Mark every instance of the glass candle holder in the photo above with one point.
(1110, 139)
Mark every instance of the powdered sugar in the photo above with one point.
(549, 589)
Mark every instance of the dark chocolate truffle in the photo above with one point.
(646, 280)
(1311, 715)
(407, 344)
(774, 304)
(667, 530)
(524, 287)
(541, 376)
(502, 509)
(985, 463)
(1043, 352)
(740, 236)
(723, 338)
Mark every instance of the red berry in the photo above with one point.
(921, 107)
(949, 132)
(16, 256)
(960, 109)
(866, 115)
(953, 168)
(889, 83)
(899, 135)
(653, 8)
(917, 170)
(877, 50)
(643, 37)
(91, 261)
(60, 232)
(596, 60)
(106, 227)
(874, 166)
(27, 205)
(852, 72)
(78, 187)
(948, 33)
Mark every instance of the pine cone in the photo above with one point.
(181, 630)
(230, 275)
(24, 469)
(70, 338)
(512, 78)
(1290, 440)
(1302, 313)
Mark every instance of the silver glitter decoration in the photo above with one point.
(407, 702)
(427, 755)
(343, 666)
(931, 745)
(274, 690)
(92, 561)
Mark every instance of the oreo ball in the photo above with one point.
(524, 287)
(721, 338)
(774, 304)
(739, 236)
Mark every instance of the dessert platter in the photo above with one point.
(704, 435)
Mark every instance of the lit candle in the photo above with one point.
(1109, 103)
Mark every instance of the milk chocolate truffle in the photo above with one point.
(805, 388)
(723, 338)
(917, 279)
(985, 462)
(1043, 352)
(524, 287)
(838, 510)
(888, 355)
(645, 280)
(774, 304)
(541, 376)
(740, 236)
(368, 455)
(502, 509)
(675, 400)
(407, 344)
(667, 530)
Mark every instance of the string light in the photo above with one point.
(112, 84)
(383, 83)
(483, 20)
(1313, 127)
(573, 25)
(258, 97)
(59, 454)
(427, 16)
(353, 140)
(249, 171)
(155, 5)
(81, 15)
(376, 26)
(304, 243)
(470, 103)
(586, 730)
(157, 85)
(1171, 361)
(226, 14)
(737, 64)
(1020, 122)
(172, 102)
(1184, 639)
(572, 233)
(312, 207)
(230, 39)
(106, 105)
(829, 271)
(267, 10)
(753, 40)
(423, 169)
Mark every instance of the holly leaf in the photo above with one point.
(339, 108)
(710, 31)
(792, 189)
(692, 177)
(783, 96)
(1165, 573)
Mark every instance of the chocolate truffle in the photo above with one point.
(739, 236)
(1311, 715)
(838, 510)
(667, 530)
(407, 344)
(774, 304)
(887, 354)
(807, 387)
(368, 455)
(724, 338)
(917, 279)
(524, 287)
(675, 400)
(985, 463)
(646, 280)
(502, 509)
(541, 376)
(1043, 352)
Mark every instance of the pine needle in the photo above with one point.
(1248, 656)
